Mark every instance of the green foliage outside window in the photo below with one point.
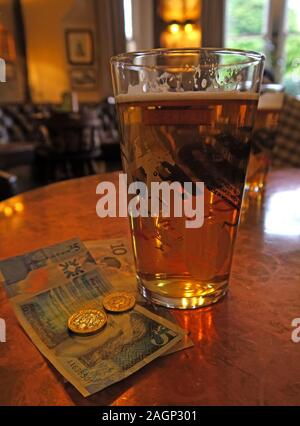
(245, 25)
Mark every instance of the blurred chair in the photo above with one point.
(109, 134)
(72, 146)
(58, 145)
(21, 123)
(287, 142)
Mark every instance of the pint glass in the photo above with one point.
(263, 139)
(186, 115)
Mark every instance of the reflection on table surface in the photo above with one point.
(283, 213)
(243, 352)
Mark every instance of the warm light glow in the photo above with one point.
(48, 70)
(184, 302)
(188, 28)
(174, 28)
(8, 211)
(177, 36)
(179, 10)
(19, 207)
(181, 18)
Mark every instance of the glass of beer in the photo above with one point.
(186, 115)
(263, 138)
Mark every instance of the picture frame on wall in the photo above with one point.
(83, 79)
(80, 47)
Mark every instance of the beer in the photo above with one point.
(196, 137)
(185, 116)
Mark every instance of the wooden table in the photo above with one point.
(243, 351)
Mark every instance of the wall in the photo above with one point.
(14, 89)
(143, 23)
(45, 24)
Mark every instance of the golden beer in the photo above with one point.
(186, 116)
(188, 138)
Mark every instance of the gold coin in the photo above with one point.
(87, 321)
(118, 302)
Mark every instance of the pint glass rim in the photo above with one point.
(126, 60)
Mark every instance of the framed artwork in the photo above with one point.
(80, 47)
(83, 79)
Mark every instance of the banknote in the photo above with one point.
(70, 281)
(115, 258)
(40, 269)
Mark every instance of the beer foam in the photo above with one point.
(186, 96)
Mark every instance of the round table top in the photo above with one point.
(243, 351)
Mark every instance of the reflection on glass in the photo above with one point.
(283, 214)
(251, 212)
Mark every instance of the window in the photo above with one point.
(245, 22)
(292, 48)
(130, 44)
(271, 27)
